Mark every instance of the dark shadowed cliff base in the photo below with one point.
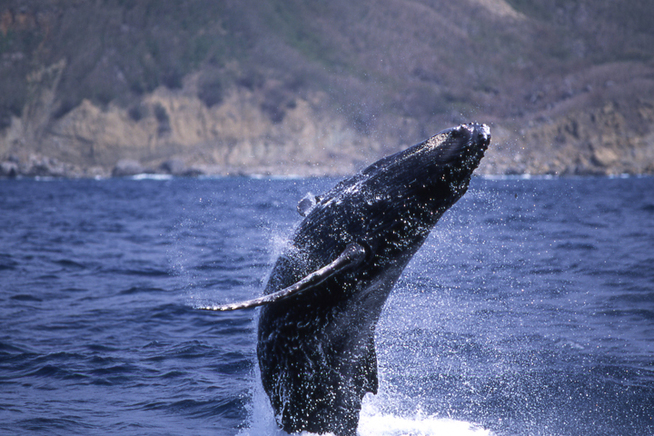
(312, 88)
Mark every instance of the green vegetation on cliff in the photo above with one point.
(322, 86)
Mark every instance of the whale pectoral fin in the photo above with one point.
(352, 256)
(307, 203)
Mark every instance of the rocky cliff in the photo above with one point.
(295, 87)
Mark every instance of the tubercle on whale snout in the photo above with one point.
(470, 127)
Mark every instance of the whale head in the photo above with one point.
(449, 157)
(415, 186)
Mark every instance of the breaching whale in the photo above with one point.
(325, 294)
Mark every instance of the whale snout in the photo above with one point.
(482, 134)
(479, 134)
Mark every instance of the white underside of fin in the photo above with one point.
(352, 255)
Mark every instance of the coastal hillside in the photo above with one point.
(94, 88)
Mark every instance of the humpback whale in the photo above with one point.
(325, 294)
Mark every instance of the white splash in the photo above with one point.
(375, 423)
(149, 176)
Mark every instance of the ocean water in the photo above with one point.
(529, 310)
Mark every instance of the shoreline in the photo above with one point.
(197, 173)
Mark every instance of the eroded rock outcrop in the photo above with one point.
(176, 133)
(236, 136)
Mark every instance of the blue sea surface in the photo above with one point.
(528, 311)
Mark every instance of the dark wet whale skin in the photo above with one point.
(316, 349)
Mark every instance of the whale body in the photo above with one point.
(316, 349)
